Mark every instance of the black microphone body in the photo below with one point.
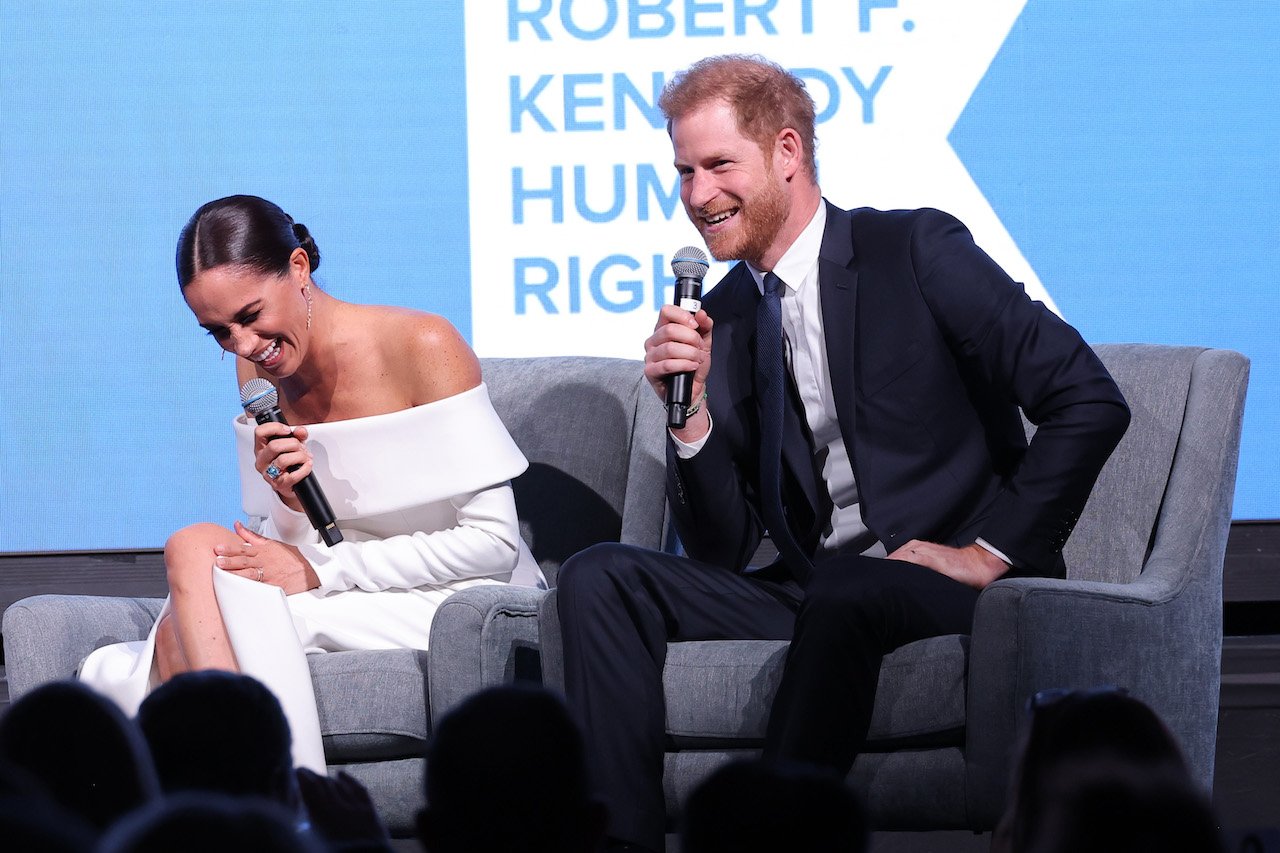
(308, 491)
(690, 265)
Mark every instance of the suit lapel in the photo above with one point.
(838, 286)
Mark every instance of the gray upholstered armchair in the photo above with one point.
(1141, 608)
(592, 431)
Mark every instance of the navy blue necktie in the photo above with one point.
(771, 385)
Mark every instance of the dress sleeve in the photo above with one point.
(485, 543)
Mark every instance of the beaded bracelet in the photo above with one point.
(696, 407)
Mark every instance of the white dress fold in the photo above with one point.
(424, 502)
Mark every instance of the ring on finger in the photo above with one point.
(260, 574)
(272, 471)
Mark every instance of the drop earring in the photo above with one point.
(306, 293)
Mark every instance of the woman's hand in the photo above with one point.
(276, 449)
(267, 560)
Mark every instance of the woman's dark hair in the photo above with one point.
(245, 231)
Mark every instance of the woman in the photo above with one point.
(402, 439)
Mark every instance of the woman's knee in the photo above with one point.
(189, 554)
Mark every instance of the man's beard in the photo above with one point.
(757, 228)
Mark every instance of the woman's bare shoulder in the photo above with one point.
(427, 352)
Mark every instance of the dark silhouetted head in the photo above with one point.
(506, 772)
(80, 749)
(219, 731)
(1107, 806)
(209, 823)
(1068, 727)
(750, 806)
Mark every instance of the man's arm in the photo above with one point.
(1018, 348)
(713, 516)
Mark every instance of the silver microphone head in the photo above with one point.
(690, 262)
(258, 396)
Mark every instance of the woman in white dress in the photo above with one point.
(400, 435)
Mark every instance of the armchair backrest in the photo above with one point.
(1170, 482)
(592, 429)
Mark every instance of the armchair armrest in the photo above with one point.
(46, 636)
(481, 637)
(1030, 634)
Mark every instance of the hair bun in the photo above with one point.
(308, 244)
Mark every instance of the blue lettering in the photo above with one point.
(554, 193)
(647, 181)
(538, 289)
(571, 27)
(538, 284)
(662, 283)
(833, 92)
(867, 93)
(517, 16)
(575, 284)
(624, 90)
(744, 8)
(521, 104)
(580, 195)
(638, 9)
(864, 12)
(573, 101)
(592, 20)
(694, 8)
(635, 288)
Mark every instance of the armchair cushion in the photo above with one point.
(719, 692)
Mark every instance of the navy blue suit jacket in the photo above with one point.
(932, 351)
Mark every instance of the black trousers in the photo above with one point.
(619, 607)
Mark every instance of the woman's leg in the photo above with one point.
(193, 635)
(169, 658)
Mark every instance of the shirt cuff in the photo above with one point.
(686, 450)
(994, 550)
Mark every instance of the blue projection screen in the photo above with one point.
(503, 163)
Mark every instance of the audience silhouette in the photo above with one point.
(219, 731)
(1102, 727)
(224, 732)
(754, 807)
(207, 822)
(80, 751)
(506, 774)
(1097, 771)
(1111, 806)
(30, 820)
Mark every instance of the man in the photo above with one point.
(860, 403)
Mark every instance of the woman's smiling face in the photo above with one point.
(258, 316)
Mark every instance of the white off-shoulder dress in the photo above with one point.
(424, 502)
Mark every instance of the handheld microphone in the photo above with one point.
(690, 265)
(261, 402)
